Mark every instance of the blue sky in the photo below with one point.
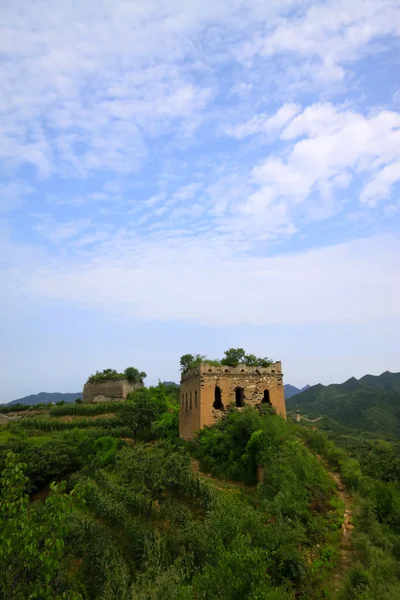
(189, 176)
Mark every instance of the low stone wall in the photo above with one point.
(109, 391)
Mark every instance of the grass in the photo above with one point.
(4, 436)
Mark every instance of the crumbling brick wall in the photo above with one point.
(108, 391)
(198, 393)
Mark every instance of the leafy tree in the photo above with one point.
(152, 470)
(31, 538)
(52, 459)
(233, 357)
(106, 450)
(134, 375)
(130, 373)
(140, 412)
(185, 361)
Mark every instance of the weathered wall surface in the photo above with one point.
(189, 415)
(108, 391)
(256, 383)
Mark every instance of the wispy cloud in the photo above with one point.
(211, 149)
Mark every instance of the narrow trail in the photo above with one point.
(347, 527)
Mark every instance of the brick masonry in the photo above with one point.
(108, 391)
(198, 393)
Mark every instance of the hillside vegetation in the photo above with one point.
(370, 404)
(251, 509)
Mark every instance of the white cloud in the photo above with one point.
(380, 186)
(264, 123)
(86, 88)
(336, 146)
(138, 92)
(198, 280)
(336, 32)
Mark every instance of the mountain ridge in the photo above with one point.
(371, 403)
(292, 390)
(45, 398)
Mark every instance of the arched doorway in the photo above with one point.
(218, 398)
(239, 397)
(266, 399)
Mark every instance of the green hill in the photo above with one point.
(46, 398)
(254, 507)
(371, 403)
(292, 390)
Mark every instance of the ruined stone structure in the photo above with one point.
(108, 391)
(206, 392)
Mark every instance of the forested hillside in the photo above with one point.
(370, 404)
(253, 508)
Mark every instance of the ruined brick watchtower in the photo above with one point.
(206, 392)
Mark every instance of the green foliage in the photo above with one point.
(105, 451)
(6, 408)
(370, 404)
(47, 461)
(140, 411)
(336, 457)
(223, 449)
(86, 409)
(48, 424)
(188, 361)
(167, 425)
(32, 547)
(152, 471)
(131, 374)
(134, 375)
(153, 527)
(233, 357)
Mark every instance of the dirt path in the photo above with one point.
(347, 528)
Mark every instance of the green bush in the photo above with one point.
(86, 409)
(233, 357)
(131, 374)
(32, 548)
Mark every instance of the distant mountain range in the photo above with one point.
(371, 403)
(291, 390)
(46, 398)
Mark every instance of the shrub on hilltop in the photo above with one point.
(132, 374)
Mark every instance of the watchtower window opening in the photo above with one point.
(239, 397)
(186, 406)
(190, 404)
(266, 399)
(195, 398)
(217, 399)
